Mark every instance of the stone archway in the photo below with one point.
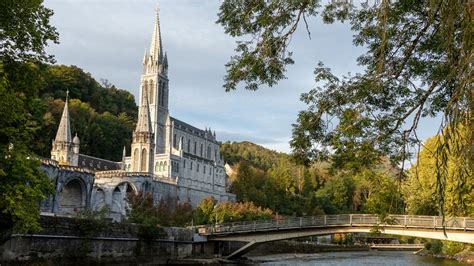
(119, 200)
(99, 199)
(72, 197)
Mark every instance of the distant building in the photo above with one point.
(169, 158)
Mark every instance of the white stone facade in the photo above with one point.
(173, 160)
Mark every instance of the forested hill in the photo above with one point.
(272, 180)
(102, 115)
(258, 156)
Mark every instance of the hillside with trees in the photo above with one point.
(273, 180)
(102, 115)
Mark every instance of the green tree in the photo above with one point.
(24, 32)
(417, 64)
(420, 187)
(205, 210)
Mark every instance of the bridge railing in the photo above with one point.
(431, 222)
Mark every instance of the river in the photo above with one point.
(355, 258)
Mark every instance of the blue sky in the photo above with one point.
(108, 39)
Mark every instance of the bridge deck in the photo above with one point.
(325, 221)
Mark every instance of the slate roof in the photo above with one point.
(97, 163)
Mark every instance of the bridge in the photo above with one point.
(458, 229)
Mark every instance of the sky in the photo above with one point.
(108, 40)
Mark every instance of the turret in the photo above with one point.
(64, 149)
(143, 147)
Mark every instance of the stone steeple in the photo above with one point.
(65, 150)
(156, 50)
(143, 146)
(64, 129)
(154, 85)
(144, 119)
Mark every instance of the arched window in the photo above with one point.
(195, 147)
(181, 143)
(157, 167)
(189, 145)
(165, 165)
(159, 93)
(161, 166)
(144, 91)
(209, 151)
(174, 140)
(135, 159)
(202, 149)
(144, 157)
(151, 92)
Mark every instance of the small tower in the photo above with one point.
(64, 149)
(143, 147)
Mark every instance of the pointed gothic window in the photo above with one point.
(151, 91)
(135, 160)
(144, 91)
(202, 148)
(143, 164)
(189, 145)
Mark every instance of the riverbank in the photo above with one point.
(464, 256)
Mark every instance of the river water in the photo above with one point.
(355, 258)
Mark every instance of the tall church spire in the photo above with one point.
(64, 129)
(156, 50)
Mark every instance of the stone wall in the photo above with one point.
(68, 238)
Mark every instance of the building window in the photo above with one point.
(174, 140)
(181, 143)
(189, 145)
(195, 147)
(204, 169)
(202, 148)
(209, 151)
(191, 166)
(198, 168)
(184, 163)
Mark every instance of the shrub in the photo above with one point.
(452, 248)
(435, 246)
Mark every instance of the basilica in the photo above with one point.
(173, 160)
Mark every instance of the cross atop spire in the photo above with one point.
(156, 50)
(64, 129)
